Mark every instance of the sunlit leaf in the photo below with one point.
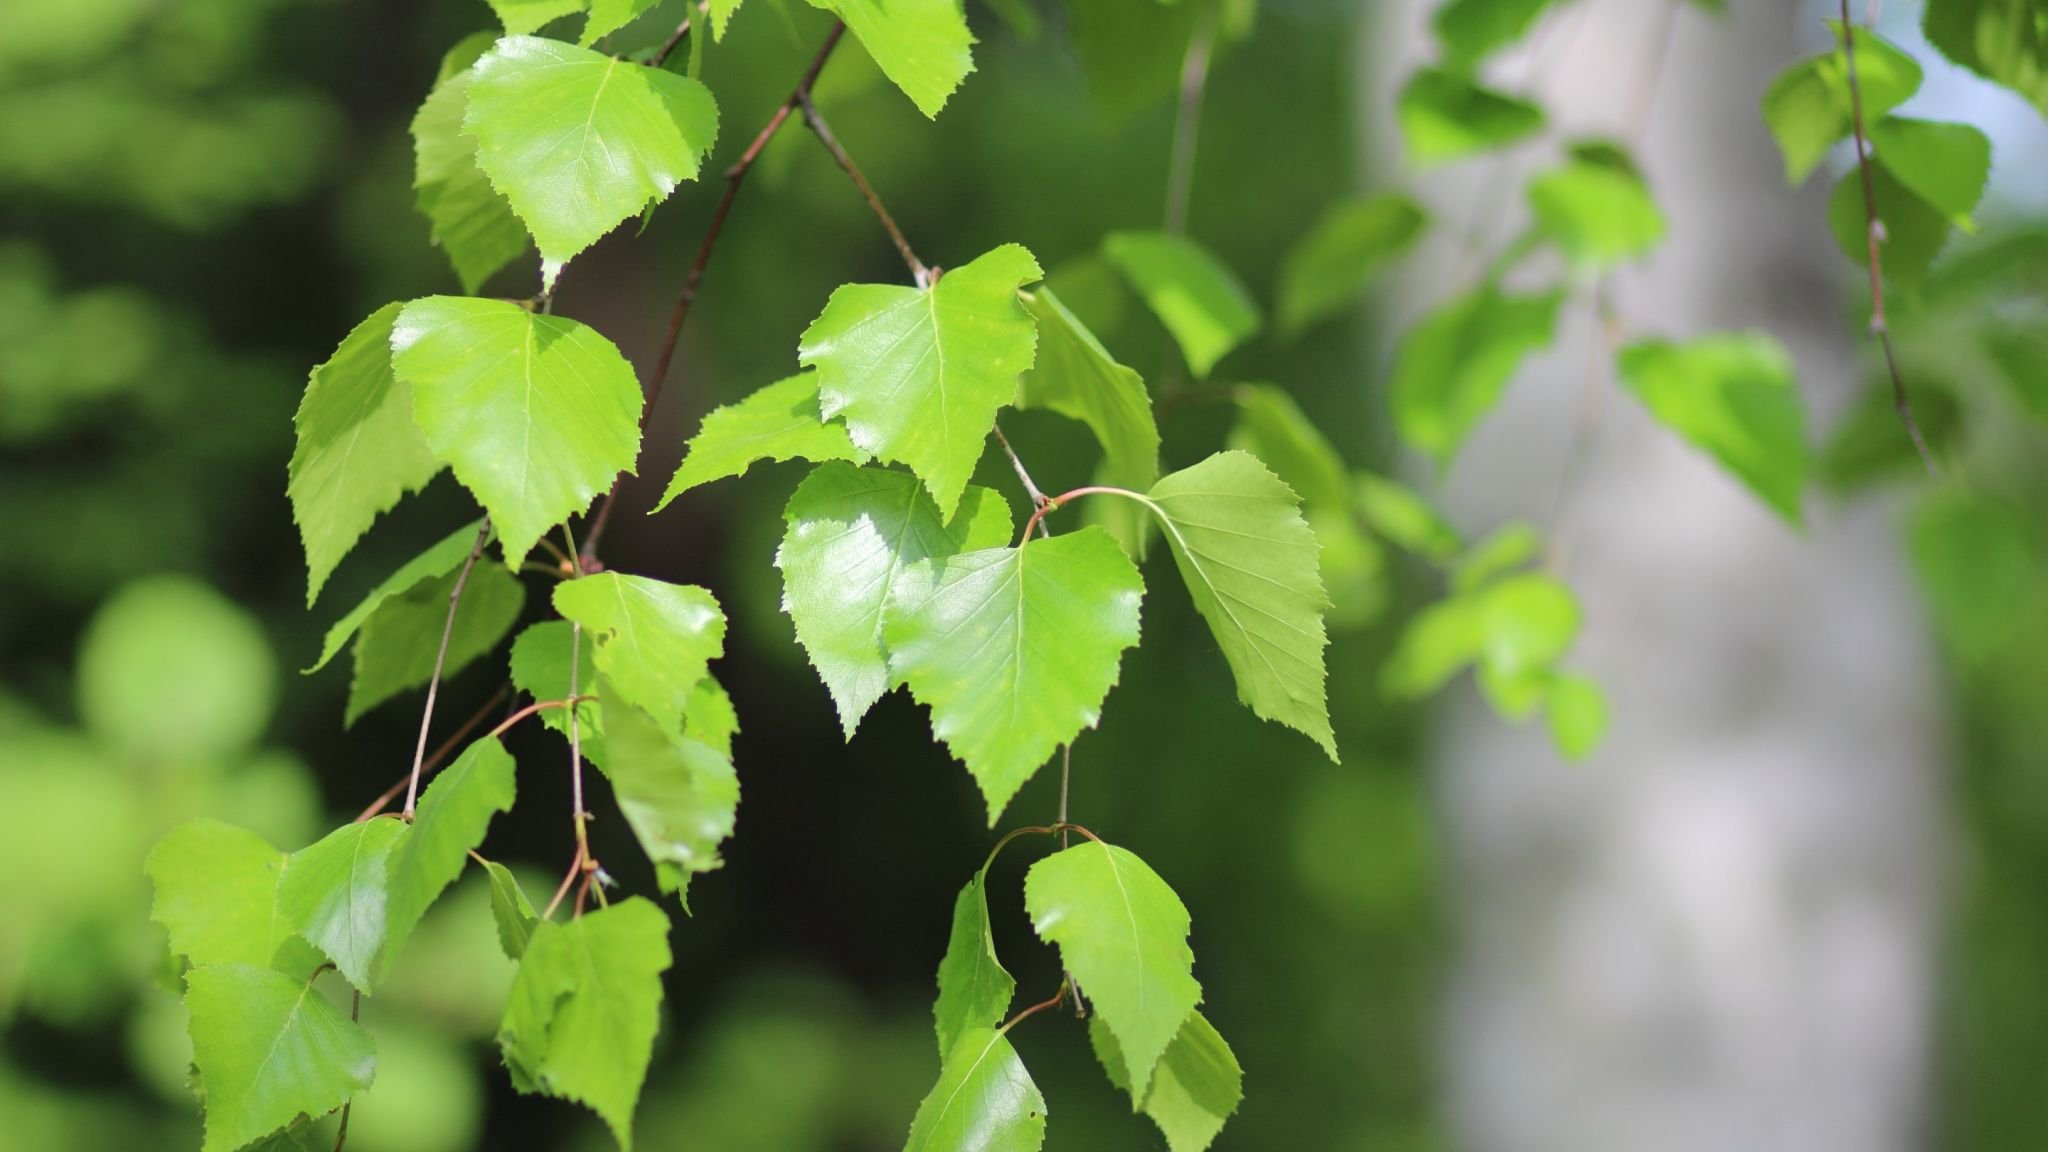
(922, 46)
(1597, 208)
(270, 1048)
(453, 814)
(654, 640)
(1447, 117)
(779, 422)
(975, 989)
(1735, 397)
(1194, 294)
(216, 894)
(469, 220)
(679, 794)
(1078, 378)
(1454, 364)
(1195, 1089)
(1808, 107)
(984, 1101)
(336, 893)
(510, 910)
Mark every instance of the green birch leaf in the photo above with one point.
(580, 1021)
(922, 46)
(579, 142)
(1945, 165)
(540, 669)
(1076, 377)
(1735, 397)
(654, 640)
(1912, 231)
(1194, 294)
(2005, 41)
(1577, 712)
(918, 374)
(1505, 549)
(1251, 566)
(1124, 935)
(1014, 649)
(1440, 642)
(679, 794)
(1453, 365)
(510, 910)
(270, 1049)
(1333, 264)
(216, 894)
(1527, 623)
(453, 815)
(608, 16)
(1447, 117)
(1196, 1088)
(975, 989)
(395, 651)
(854, 535)
(467, 217)
(1273, 428)
(1472, 30)
(358, 452)
(984, 1101)
(721, 15)
(1596, 208)
(779, 422)
(440, 560)
(521, 17)
(536, 414)
(1405, 519)
(1808, 107)
(336, 893)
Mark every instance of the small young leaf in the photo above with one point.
(335, 893)
(1577, 711)
(536, 414)
(358, 451)
(1447, 117)
(1503, 550)
(450, 822)
(1471, 30)
(1911, 233)
(1944, 164)
(540, 669)
(216, 894)
(1076, 377)
(1405, 519)
(1454, 363)
(975, 989)
(654, 640)
(779, 422)
(1252, 568)
(469, 220)
(709, 717)
(918, 374)
(721, 15)
(1734, 396)
(524, 16)
(1196, 1087)
(1596, 208)
(579, 142)
(1124, 935)
(1440, 642)
(440, 560)
(1331, 266)
(1527, 623)
(854, 535)
(270, 1049)
(395, 652)
(1194, 294)
(679, 794)
(984, 1101)
(510, 909)
(922, 46)
(580, 1021)
(1013, 649)
(1808, 107)
(608, 16)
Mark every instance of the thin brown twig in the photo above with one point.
(1058, 998)
(1874, 237)
(419, 752)
(576, 753)
(439, 754)
(734, 177)
(1031, 488)
(355, 1013)
(562, 889)
(1187, 120)
(823, 132)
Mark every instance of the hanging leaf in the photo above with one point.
(1405, 519)
(1014, 649)
(1735, 397)
(1597, 208)
(536, 414)
(269, 1049)
(216, 894)
(1339, 258)
(1471, 30)
(1194, 294)
(540, 669)
(608, 16)
(1251, 567)
(1945, 165)
(395, 651)
(1808, 107)
(1911, 232)
(440, 560)
(580, 1021)
(975, 989)
(922, 46)
(2001, 40)
(579, 142)
(358, 451)
(779, 422)
(1196, 1088)
(523, 16)
(1447, 117)
(1577, 711)
(335, 893)
(654, 640)
(918, 374)
(1273, 428)
(984, 1101)
(1124, 935)
(510, 910)
(1453, 365)
(854, 536)
(453, 815)
(1076, 377)
(680, 795)
(467, 217)
(1440, 642)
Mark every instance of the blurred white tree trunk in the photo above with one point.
(1719, 935)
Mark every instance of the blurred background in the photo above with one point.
(1800, 900)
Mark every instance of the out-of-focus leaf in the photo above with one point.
(1735, 397)
(1333, 264)
(1447, 117)
(1194, 294)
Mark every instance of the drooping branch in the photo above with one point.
(1873, 232)
(419, 752)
